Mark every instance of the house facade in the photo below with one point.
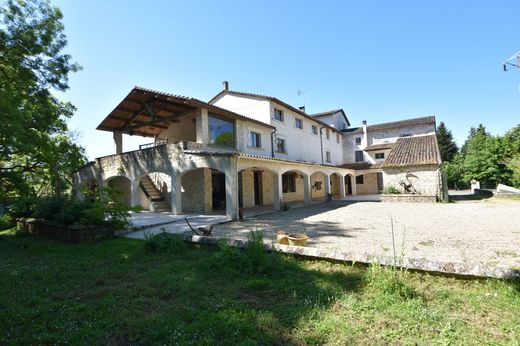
(242, 150)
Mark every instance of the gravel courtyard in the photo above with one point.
(484, 232)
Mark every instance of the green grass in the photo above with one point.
(121, 291)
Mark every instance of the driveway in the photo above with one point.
(477, 232)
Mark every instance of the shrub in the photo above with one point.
(389, 282)
(164, 242)
(24, 207)
(392, 190)
(5, 222)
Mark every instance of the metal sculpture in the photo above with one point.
(408, 186)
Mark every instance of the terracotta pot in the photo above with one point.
(297, 239)
(281, 238)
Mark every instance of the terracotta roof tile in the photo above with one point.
(414, 151)
(402, 123)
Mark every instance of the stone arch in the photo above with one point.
(337, 185)
(257, 187)
(320, 185)
(203, 190)
(123, 185)
(294, 186)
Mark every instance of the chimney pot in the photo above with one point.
(302, 108)
(364, 122)
(225, 85)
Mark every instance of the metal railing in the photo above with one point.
(158, 141)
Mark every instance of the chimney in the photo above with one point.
(364, 126)
(225, 85)
(302, 108)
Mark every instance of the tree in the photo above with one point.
(35, 148)
(447, 145)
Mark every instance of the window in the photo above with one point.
(359, 155)
(337, 137)
(359, 179)
(314, 129)
(221, 132)
(327, 134)
(278, 114)
(380, 156)
(288, 182)
(358, 140)
(255, 139)
(280, 145)
(298, 123)
(327, 156)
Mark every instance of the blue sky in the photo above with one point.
(378, 60)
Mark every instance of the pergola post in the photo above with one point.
(201, 121)
(118, 141)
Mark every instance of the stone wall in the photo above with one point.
(298, 195)
(425, 179)
(124, 186)
(369, 185)
(334, 187)
(248, 188)
(267, 188)
(408, 198)
(197, 191)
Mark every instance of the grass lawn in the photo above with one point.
(113, 292)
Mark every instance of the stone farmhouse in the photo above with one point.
(242, 150)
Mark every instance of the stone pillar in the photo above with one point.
(176, 194)
(135, 191)
(201, 116)
(232, 190)
(277, 191)
(118, 141)
(307, 189)
(353, 183)
(341, 181)
(327, 186)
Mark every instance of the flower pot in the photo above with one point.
(281, 238)
(297, 239)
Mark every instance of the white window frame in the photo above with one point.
(296, 122)
(284, 145)
(314, 127)
(358, 139)
(381, 156)
(362, 156)
(251, 145)
(328, 156)
(282, 116)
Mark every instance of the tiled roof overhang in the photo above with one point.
(146, 112)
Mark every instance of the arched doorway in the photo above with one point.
(123, 186)
(350, 184)
(293, 186)
(155, 192)
(203, 190)
(256, 188)
(335, 185)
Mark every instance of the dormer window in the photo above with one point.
(278, 114)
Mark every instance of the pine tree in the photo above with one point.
(447, 145)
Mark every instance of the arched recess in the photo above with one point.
(257, 187)
(319, 186)
(203, 190)
(154, 191)
(124, 187)
(295, 186)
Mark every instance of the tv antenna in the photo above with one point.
(302, 92)
(513, 61)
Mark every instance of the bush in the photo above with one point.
(392, 190)
(389, 282)
(254, 258)
(5, 222)
(164, 242)
(24, 207)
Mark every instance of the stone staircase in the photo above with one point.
(157, 201)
